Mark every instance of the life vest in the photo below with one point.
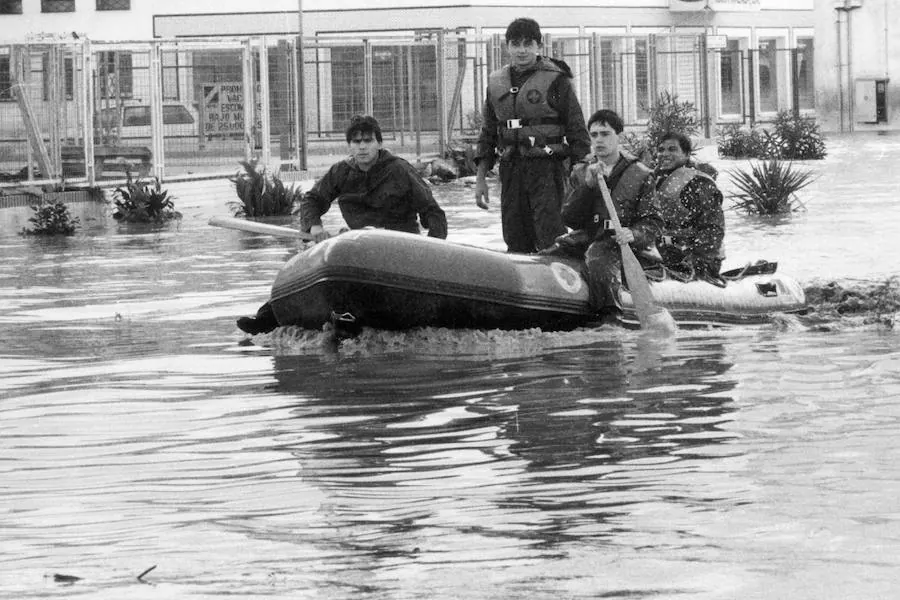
(627, 188)
(669, 194)
(527, 121)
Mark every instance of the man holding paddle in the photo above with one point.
(609, 173)
(373, 188)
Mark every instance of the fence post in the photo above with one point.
(795, 81)
(652, 69)
(367, 68)
(704, 84)
(157, 131)
(87, 107)
(440, 56)
(751, 86)
(247, 73)
(264, 132)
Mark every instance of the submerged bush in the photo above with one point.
(791, 138)
(261, 193)
(798, 138)
(736, 141)
(769, 188)
(51, 218)
(668, 114)
(143, 201)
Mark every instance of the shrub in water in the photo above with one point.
(736, 141)
(51, 219)
(668, 114)
(791, 138)
(769, 188)
(261, 193)
(798, 138)
(142, 201)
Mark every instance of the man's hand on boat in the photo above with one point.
(318, 233)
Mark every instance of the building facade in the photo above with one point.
(191, 77)
(858, 77)
(758, 55)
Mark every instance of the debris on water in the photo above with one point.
(836, 305)
(141, 576)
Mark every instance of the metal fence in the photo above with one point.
(91, 111)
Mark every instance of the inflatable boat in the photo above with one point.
(391, 280)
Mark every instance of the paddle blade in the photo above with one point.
(651, 315)
(254, 227)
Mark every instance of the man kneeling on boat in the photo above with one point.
(630, 185)
(373, 188)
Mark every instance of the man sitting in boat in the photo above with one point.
(691, 205)
(631, 187)
(373, 188)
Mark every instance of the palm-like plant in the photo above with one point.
(769, 188)
(261, 193)
(142, 201)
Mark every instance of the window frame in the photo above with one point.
(57, 6)
(10, 7)
(105, 5)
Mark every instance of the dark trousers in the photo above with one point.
(603, 263)
(531, 196)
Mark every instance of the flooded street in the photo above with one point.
(140, 428)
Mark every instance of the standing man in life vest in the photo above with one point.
(533, 120)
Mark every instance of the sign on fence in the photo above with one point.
(224, 109)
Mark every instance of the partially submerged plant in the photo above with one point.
(261, 193)
(142, 201)
(769, 188)
(798, 138)
(790, 137)
(51, 218)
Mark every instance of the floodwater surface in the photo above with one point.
(139, 428)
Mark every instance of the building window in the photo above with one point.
(643, 100)
(805, 75)
(57, 6)
(10, 7)
(731, 61)
(114, 75)
(113, 4)
(68, 76)
(6, 94)
(768, 76)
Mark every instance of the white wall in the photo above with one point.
(867, 50)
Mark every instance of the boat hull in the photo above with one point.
(393, 280)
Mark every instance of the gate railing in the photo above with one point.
(88, 111)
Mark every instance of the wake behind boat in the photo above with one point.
(391, 280)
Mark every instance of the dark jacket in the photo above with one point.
(391, 194)
(631, 187)
(559, 97)
(694, 221)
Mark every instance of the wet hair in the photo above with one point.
(683, 140)
(363, 124)
(523, 29)
(607, 117)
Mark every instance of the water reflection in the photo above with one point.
(520, 452)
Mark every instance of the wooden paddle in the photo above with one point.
(254, 227)
(650, 315)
